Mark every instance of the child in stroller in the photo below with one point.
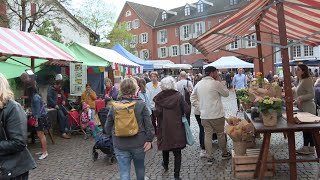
(86, 122)
(104, 143)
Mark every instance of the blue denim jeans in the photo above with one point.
(124, 158)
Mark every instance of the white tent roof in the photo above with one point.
(167, 64)
(228, 62)
(109, 54)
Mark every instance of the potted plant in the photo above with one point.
(269, 106)
(246, 102)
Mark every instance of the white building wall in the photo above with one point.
(71, 31)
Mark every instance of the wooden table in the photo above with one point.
(289, 129)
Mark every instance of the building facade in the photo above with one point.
(164, 34)
(72, 30)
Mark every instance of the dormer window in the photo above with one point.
(234, 2)
(187, 10)
(128, 13)
(164, 16)
(200, 7)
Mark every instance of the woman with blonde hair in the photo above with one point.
(15, 159)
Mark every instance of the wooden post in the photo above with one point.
(287, 85)
(259, 46)
(32, 65)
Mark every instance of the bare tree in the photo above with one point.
(48, 9)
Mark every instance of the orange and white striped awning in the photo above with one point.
(302, 23)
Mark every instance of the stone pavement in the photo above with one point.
(71, 159)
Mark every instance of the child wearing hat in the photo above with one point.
(86, 120)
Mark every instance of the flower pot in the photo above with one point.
(239, 147)
(246, 105)
(270, 118)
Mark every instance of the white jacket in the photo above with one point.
(206, 97)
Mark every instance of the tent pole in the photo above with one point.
(259, 47)
(287, 86)
(32, 65)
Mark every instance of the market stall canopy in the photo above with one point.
(12, 69)
(199, 63)
(302, 19)
(29, 45)
(229, 62)
(107, 54)
(159, 64)
(122, 51)
(177, 66)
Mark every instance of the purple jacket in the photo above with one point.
(113, 94)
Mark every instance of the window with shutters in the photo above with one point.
(129, 25)
(144, 54)
(136, 24)
(234, 45)
(175, 51)
(308, 50)
(163, 36)
(164, 16)
(297, 51)
(128, 13)
(200, 7)
(187, 49)
(251, 43)
(163, 52)
(199, 28)
(186, 31)
(144, 37)
(187, 10)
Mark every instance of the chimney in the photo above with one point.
(3, 15)
(33, 8)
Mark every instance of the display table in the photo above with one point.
(289, 129)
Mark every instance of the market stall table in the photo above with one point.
(283, 127)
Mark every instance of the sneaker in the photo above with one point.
(43, 156)
(66, 136)
(203, 153)
(210, 161)
(38, 153)
(304, 150)
(226, 155)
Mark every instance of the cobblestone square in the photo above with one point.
(72, 160)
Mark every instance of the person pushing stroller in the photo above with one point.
(86, 121)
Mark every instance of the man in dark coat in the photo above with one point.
(169, 108)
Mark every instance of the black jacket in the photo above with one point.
(52, 97)
(14, 150)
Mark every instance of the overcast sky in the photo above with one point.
(163, 4)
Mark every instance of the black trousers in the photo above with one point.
(307, 138)
(201, 133)
(228, 84)
(238, 101)
(177, 161)
(24, 176)
(154, 122)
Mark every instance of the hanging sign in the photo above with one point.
(78, 78)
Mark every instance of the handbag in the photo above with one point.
(32, 121)
(189, 135)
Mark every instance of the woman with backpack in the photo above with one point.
(132, 141)
(15, 159)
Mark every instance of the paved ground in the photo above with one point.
(71, 159)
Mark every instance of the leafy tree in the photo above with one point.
(98, 15)
(49, 9)
(49, 30)
(119, 34)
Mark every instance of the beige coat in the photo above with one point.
(305, 94)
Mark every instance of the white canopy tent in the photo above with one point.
(229, 62)
(167, 64)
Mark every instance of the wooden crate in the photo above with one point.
(244, 166)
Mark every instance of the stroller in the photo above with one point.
(74, 121)
(104, 143)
